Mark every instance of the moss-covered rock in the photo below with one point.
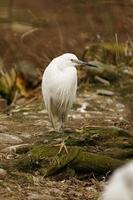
(97, 149)
(46, 160)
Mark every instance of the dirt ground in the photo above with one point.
(28, 121)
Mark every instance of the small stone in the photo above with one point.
(9, 139)
(105, 92)
(2, 173)
(16, 148)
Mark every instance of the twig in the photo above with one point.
(28, 33)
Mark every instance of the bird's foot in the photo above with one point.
(62, 145)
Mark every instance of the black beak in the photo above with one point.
(80, 62)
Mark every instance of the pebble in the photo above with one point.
(14, 148)
(2, 173)
(105, 92)
(9, 139)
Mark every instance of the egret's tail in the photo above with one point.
(57, 123)
(57, 114)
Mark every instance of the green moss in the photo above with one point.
(112, 53)
(46, 159)
(48, 162)
(119, 153)
(110, 132)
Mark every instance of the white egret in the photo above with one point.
(59, 85)
(120, 185)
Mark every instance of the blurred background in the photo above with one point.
(33, 32)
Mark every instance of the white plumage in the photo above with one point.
(120, 185)
(59, 85)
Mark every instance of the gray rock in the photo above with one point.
(9, 139)
(15, 148)
(2, 173)
(105, 92)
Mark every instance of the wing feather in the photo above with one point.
(58, 97)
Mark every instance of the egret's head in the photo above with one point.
(68, 60)
(71, 60)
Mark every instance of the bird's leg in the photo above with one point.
(62, 145)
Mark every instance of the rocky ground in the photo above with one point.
(27, 123)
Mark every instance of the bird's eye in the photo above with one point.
(72, 60)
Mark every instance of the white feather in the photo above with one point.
(120, 185)
(59, 85)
